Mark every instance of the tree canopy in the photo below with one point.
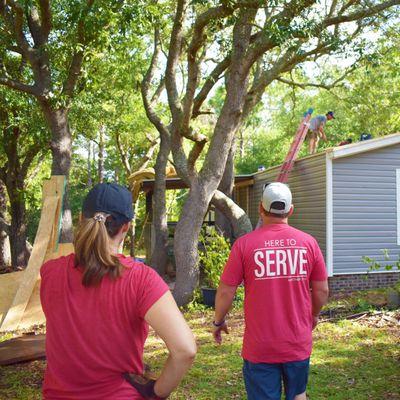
(210, 87)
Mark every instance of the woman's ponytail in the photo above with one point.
(92, 249)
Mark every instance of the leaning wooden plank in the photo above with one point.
(33, 314)
(9, 284)
(24, 348)
(40, 246)
(55, 187)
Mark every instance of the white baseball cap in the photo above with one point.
(277, 198)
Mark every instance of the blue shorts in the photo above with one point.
(264, 381)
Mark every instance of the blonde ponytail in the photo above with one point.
(92, 249)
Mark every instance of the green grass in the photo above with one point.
(350, 361)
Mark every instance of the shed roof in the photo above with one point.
(364, 146)
(351, 149)
(332, 152)
(178, 183)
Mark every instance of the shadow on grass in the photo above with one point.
(350, 362)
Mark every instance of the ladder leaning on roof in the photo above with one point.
(293, 152)
(295, 147)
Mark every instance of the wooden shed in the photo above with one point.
(348, 198)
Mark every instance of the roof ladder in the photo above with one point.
(295, 147)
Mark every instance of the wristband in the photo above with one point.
(144, 386)
(218, 325)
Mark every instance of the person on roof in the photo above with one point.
(316, 132)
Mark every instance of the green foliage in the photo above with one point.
(364, 101)
(374, 265)
(214, 256)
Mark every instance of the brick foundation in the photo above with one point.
(350, 283)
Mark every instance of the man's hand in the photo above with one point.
(315, 321)
(217, 332)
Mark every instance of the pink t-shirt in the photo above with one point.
(276, 263)
(94, 334)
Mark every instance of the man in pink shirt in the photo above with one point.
(285, 281)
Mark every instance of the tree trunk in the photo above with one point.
(100, 158)
(61, 144)
(133, 231)
(3, 233)
(89, 183)
(241, 144)
(159, 256)
(186, 244)
(238, 218)
(222, 222)
(132, 237)
(18, 226)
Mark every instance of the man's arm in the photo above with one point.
(319, 295)
(223, 303)
(322, 132)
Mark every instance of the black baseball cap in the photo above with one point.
(331, 113)
(109, 198)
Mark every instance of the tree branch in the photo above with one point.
(360, 14)
(211, 80)
(263, 42)
(37, 58)
(265, 78)
(29, 157)
(3, 174)
(46, 17)
(4, 226)
(158, 91)
(175, 48)
(73, 73)
(238, 218)
(145, 87)
(229, 118)
(22, 87)
(144, 161)
(303, 85)
(77, 58)
(195, 153)
(123, 154)
(198, 40)
(35, 27)
(18, 23)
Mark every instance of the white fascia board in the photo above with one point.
(329, 214)
(367, 145)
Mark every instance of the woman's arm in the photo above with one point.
(168, 322)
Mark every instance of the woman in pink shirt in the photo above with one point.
(98, 304)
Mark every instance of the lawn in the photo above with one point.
(352, 359)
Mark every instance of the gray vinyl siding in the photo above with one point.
(364, 208)
(307, 181)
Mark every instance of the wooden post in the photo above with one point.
(148, 239)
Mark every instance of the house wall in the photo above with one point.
(241, 195)
(364, 208)
(308, 184)
(350, 282)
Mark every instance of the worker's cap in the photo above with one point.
(109, 198)
(331, 114)
(277, 198)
